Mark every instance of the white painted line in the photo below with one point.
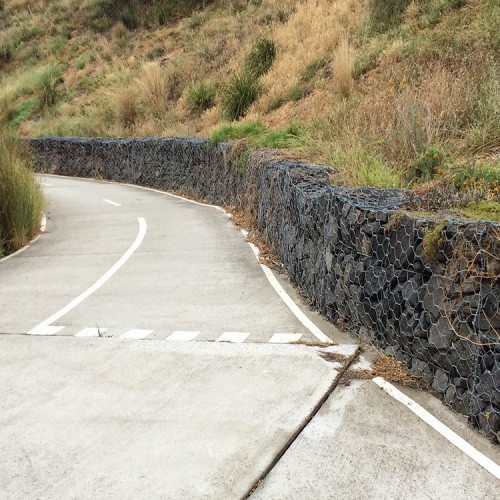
(135, 245)
(136, 334)
(111, 202)
(91, 332)
(183, 336)
(289, 302)
(43, 226)
(438, 426)
(46, 184)
(284, 338)
(176, 196)
(245, 233)
(233, 337)
(46, 330)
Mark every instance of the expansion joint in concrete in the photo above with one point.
(304, 424)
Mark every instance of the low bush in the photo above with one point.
(238, 94)
(200, 97)
(21, 198)
(260, 59)
(47, 84)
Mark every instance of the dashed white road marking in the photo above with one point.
(91, 332)
(183, 336)
(438, 426)
(111, 202)
(284, 338)
(135, 245)
(46, 330)
(233, 337)
(136, 334)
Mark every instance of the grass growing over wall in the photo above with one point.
(20, 197)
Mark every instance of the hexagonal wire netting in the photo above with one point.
(426, 287)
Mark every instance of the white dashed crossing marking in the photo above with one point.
(136, 334)
(111, 202)
(91, 332)
(233, 337)
(46, 330)
(285, 338)
(183, 336)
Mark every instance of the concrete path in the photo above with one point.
(192, 271)
(196, 391)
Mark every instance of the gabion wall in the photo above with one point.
(424, 288)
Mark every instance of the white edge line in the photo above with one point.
(289, 301)
(111, 202)
(438, 426)
(43, 226)
(270, 276)
(105, 277)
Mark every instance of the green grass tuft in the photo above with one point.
(200, 97)
(238, 94)
(260, 59)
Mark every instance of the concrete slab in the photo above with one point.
(106, 418)
(364, 444)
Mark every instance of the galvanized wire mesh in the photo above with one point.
(424, 287)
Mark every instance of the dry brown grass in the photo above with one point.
(313, 30)
(127, 106)
(153, 85)
(342, 67)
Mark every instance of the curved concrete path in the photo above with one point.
(150, 412)
(191, 272)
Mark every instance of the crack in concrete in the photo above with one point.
(303, 425)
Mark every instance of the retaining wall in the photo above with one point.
(424, 288)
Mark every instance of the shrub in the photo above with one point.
(260, 59)
(5, 52)
(129, 18)
(200, 96)
(119, 32)
(153, 85)
(343, 67)
(47, 84)
(425, 167)
(21, 198)
(127, 106)
(238, 94)
(385, 14)
(23, 111)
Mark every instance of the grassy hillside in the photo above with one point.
(389, 92)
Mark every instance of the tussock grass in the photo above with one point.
(238, 94)
(343, 67)
(200, 97)
(127, 106)
(154, 87)
(20, 197)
